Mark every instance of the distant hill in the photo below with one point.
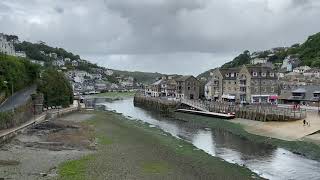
(143, 77)
(205, 74)
(308, 53)
(39, 51)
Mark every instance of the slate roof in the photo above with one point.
(308, 90)
(225, 71)
(183, 78)
(260, 70)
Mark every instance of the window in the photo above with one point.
(254, 74)
(227, 75)
(271, 74)
(189, 88)
(235, 82)
(263, 74)
(232, 74)
(237, 74)
(272, 89)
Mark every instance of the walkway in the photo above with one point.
(18, 99)
(290, 131)
(37, 119)
(195, 104)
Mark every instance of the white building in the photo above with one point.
(58, 63)
(108, 72)
(100, 86)
(41, 63)
(314, 72)
(67, 59)
(97, 76)
(259, 61)
(21, 54)
(6, 47)
(209, 90)
(301, 69)
(75, 63)
(53, 55)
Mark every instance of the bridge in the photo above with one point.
(195, 104)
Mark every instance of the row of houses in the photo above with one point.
(7, 47)
(247, 84)
(186, 87)
(84, 82)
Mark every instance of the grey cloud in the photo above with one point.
(59, 10)
(146, 28)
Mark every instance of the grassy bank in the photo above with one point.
(116, 95)
(306, 149)
(132, 150)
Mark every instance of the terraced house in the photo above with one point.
(184, 87)
(250, 84)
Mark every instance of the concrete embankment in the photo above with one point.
(161, 105)
(9, 133)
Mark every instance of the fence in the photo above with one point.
(261, 112)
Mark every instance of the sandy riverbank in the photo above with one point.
(288, 131)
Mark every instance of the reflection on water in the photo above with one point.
(265, 160)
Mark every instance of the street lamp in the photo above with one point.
(6, 82)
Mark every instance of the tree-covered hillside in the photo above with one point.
(33, 51)
(308, 52)
(143, 77)
(18, 72)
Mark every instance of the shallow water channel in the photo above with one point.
(267, 161)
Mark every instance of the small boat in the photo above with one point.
(209, 114)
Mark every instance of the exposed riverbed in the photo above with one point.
(265, 160)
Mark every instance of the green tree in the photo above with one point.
(56, 88)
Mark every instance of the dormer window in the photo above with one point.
(255, 74)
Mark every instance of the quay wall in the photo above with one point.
(17, 116)
(164, 106)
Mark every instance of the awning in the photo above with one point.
(273, 97)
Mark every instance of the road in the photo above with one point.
(18, 99)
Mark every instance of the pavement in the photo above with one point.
(289, 131)
(18, 99)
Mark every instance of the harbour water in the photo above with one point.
(267, 161)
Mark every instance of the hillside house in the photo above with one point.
(314, 72)
(21, 54)
(75, 63)
(259, 61)
(6, 47)
(301, 69)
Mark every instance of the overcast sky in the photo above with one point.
(169, 36)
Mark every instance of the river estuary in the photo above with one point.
(267, 161)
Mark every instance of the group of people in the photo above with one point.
(306, 123)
